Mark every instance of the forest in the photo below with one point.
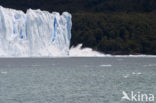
(109, 26)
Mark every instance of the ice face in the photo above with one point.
(34, 33)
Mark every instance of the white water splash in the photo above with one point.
(78, 51)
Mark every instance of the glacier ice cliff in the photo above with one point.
(34, 33)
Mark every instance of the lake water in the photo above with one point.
(75, 80)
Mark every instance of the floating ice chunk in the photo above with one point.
(105, 65)
(4, 72)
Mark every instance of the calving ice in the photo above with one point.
(138, 96)
(34, 33)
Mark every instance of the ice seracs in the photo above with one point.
(34, 33)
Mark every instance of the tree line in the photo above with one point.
(75, 6)
(116, 33)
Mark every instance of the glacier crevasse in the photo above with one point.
(34, 33)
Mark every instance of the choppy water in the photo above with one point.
(75, 80)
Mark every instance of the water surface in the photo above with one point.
(74, 80)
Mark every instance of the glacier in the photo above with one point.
(39, 33)
(35, 33)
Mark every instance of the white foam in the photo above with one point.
(139, 73)
(39, 33)
(35, 65)
(150, 65)
(136, 73)
(126, 75)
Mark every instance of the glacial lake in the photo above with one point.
(75, 80)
